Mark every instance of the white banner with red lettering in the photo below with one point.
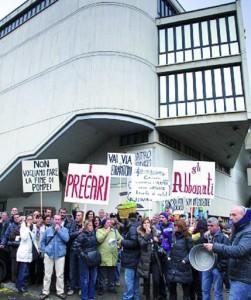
(88, 184)
(193, 179)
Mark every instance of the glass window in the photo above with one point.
(232, 28)
(171, 87)
(223, 30)
(204, 28)
(171, 58)
(215, 51)
(206, 52)
(220, 106)
(178, 38)
(200, 107)
(191, 108)
(162, 59)
(218, 83)
(181, 109)
(187, 31)
(196, 35)
(179, 56)
(237, 81)
(172, 110)
(234, 48)
(197, 54)
(214, 33)
(208, 83)
(162, 40)
(170, 42)
(188, 55)
(230, 104)
(227, 82)
(189, 86)
(225, 50)
(163, 111)
(181, 89)
(210, 106)
(199, 85)
(163, 89)
(240, 104)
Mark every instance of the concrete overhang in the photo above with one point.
(220, 136)
(78, 139)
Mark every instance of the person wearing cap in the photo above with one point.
(130, 258)
(215, 275)
(238, 254)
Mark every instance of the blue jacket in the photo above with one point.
(239, 253)
(55, 247)
(9, 238)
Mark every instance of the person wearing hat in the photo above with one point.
(215, 275)
(238, 254)
(130, 258)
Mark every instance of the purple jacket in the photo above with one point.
(165, 231)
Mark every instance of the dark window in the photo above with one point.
(135, 138)
(165, 9)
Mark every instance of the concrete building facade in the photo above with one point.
(81, 78)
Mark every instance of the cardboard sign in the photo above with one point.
(40, 175)
(88, 184)
(121, 164)
(149, 184)
(193, 180)
(144, 158)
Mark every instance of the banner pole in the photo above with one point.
(41, 203)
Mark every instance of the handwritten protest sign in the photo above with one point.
(121, 164)
(149, 184)
(194, 180)
(40, 175)
(88, 184)
(144, 158)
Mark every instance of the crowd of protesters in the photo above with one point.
(88, 251)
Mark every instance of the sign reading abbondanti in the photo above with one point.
(40, 175)
(193, 179)
(88, 184)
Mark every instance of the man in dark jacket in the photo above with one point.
(239, 254)
(130, 258)
(75, 229)
(4, 223)
(214, 275)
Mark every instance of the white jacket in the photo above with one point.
(24, 251)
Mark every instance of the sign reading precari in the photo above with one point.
(40, 175)
(121, 164)
(193, 179)
(149, 184)
(88, 184)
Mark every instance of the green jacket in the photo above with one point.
(107, 246)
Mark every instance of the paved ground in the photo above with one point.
(8, 292)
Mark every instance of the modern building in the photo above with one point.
(82, 78)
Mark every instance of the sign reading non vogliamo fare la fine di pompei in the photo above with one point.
(88, 184)
(40, 175)
(193, 179)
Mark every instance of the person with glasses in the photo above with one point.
(214, 277)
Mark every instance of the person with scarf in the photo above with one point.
(238, 253)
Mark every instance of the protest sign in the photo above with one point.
(194, 180)
(149, 184)
(88, 184)
(121, 164)
(144, 158)
(40, 175)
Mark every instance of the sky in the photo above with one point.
(6, 6)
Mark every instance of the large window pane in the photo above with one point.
(178, 38)
(228, 82)
(181, 90)
(199, 86)
(232, 28)
(196, 36)
(204, 28)
(163, 111)
(187, 31)
(223, 31)
(171, 85)
(237, 81)
(218, 83)
(214, 33)
(208, 82)
(170, 43)
(162, 89)
(162, 40)
(189, 86)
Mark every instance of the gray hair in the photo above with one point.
(213, 220)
